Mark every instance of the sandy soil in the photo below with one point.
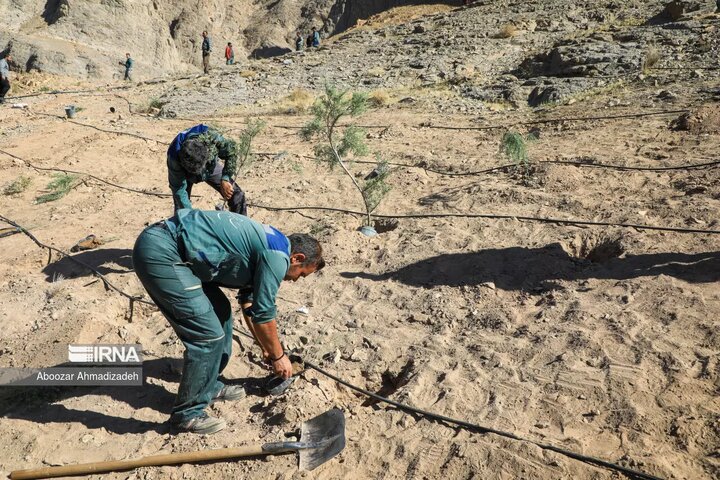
(492, 321)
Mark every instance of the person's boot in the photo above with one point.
(202, 425)
(230, 393)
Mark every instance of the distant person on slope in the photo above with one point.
(299, 42)
(229, 54)
(128, 64)
(193, 158)
(315, 38)
(4, 77)
(206, 49)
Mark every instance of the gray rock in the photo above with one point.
(587, 57)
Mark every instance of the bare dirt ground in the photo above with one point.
(497, 322)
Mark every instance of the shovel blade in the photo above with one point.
(327, 433)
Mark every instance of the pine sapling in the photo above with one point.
(514, 146)
(375, 187)
(59, 187)
(242, 149)
(337, 143)
(244, 145)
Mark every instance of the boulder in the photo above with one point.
(586, 57)
(675, 9)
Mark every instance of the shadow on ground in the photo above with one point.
(42, 404)
(519, 268)
(104, 260)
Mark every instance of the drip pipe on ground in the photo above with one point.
(89, 175)
(115, 132)
(511, 165)
(557, 120)
(492, 216)
(479, 428)
(64, 254)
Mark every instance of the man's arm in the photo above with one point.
(178, 184)
(270, 270)
(268, 336)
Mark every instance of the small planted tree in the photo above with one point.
(61, 184)
(244, 145)
(514, 146)
(18, 185)
(242, 149)
(336, 143)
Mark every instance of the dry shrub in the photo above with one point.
(152, 106)
(652, 57)
(507, 31)
(247, 73)
(298, 101)
(19, 185)
(379, 98)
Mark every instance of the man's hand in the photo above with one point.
(226, 189)
(282, 367)
(267, 336)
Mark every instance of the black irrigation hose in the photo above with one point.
(531, 122)
(493, 216)
(104, 130)
(622, 167)
(422, 125)
(102, 277)
(117, 87)
(65, 92)
(65, 170)
(511, 165)
(300, 127)
(555, 120)
(479, 428)
(564, 162)
(471, 426)
(441, 172)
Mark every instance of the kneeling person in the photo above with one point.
(182, 262)
(193, 158)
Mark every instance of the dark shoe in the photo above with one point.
(203, 425)
(230, 393)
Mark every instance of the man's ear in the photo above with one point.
(297, 258)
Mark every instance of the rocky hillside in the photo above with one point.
(87, 38)
(491, 55)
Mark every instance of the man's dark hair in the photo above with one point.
(308, 246)
(194, 155)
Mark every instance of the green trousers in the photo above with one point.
(199, 313)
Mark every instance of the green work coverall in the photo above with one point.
(182, 263)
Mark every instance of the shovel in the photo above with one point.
(321, 439)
